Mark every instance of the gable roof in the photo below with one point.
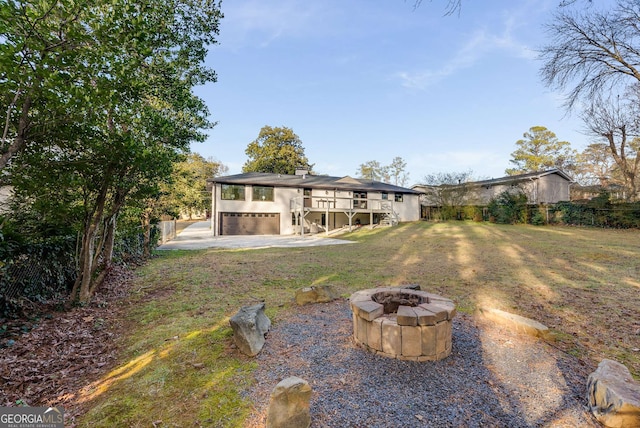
(509, 179)
(324, 182)
(522, 177)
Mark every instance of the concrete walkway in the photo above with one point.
(198, 236)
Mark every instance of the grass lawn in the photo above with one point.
(178, 366)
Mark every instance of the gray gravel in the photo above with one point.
(493, 377)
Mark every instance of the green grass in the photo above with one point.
(178, 365)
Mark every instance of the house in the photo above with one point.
(544, 187)
(615, 192)
(281, 204)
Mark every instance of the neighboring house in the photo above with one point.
(616, 192)
(281, 204)
(545, 187)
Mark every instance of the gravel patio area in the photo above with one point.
(493, 378)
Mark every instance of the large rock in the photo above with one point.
(613, 395)
(516, 322)
(250, 325)
(289, 404)
(316, 294)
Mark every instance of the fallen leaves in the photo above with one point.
(65, 351)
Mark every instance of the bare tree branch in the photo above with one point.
(592, 52)
(619, 125)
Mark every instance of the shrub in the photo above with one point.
(509, 207)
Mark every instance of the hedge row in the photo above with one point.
(618, 215)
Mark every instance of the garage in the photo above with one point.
(249, 224)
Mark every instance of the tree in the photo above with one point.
(393, 173)
(595, 166)
(276, 150)
(540, 150)
(592, 52)
(187, 191)
(455, 6)
(99, 96)
(397, 171)
(593, 55)
(619, 125)
(43, 69)
(372, 170)
(452, 6)
(448, 190)
(509, 207)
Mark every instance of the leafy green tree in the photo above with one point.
(372, 170)
(43, 69)
(277, 150)
(187, 191)
(540, 150)
(99, 100)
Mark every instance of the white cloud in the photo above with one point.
(260, 23)
(481, 43)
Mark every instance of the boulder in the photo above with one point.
(250, 325)
(516, 322)
(614, 396)
(316, 294)
(289, 404)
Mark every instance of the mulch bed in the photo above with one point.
(46, 358)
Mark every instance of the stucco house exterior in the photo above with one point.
(280, 204)
(543, 187)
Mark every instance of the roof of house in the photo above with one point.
(311, 181)
(512, 178)
(523, 177)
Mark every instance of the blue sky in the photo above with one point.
(369, 80)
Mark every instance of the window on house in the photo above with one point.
(233, 192)
(398, 197)
(385, 196)
(359, 199)
(307, 198)
(262, 193)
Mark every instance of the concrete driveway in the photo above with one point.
(198, 236)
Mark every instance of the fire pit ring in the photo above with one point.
(403, 323)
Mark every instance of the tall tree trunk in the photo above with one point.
(20, 140)
(109, 227)
(629, 170)
(81, 288)
(146, 233)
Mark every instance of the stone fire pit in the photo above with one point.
(403, 323)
